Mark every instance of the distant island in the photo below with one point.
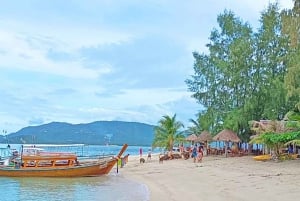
(99, 132)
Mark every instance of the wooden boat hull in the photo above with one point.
(83, 169)
(89, 169)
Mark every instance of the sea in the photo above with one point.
(111, 187)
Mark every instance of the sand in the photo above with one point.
(217, 178)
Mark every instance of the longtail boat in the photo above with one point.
(59, 164)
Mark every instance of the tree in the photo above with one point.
(270, 65)
(291, 27)
(242, 76)
(219, 82)
(276, 134)
(168, 132)
(276, 141)
(196, 127)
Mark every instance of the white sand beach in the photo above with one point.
(217, 178)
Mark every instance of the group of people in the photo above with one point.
(197, 153)
(148, 156)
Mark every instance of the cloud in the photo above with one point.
(22, 53)
(79, 62)
(145, 62)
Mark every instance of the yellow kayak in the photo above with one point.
(265, 157)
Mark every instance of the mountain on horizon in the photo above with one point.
(98, 132)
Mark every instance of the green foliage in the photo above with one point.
(276, 141)
(232, 119)
(219, 83)
(291, 26)
(243, 77)
(284, 157)
(168, 132)
(293, 115)
(196, 127)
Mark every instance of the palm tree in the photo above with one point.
(196, 127)
(168, 132)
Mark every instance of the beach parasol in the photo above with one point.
(227, 135)
(191, 137)
(205, 136)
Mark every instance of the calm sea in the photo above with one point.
(111, 187)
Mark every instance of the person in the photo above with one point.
(194, 153)
(290, 149)
(149, 154)
(200, 154)
(126, 158)
(181, 148)
(208, 150)
(141, 152)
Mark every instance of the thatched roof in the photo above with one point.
(191, 137)
(204, 136)
(254, 136)
(227, 135)
(264, 126)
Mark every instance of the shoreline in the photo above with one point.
(216, 178)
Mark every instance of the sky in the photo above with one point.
(82, 61)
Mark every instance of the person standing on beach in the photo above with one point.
(141, 152)
(200, 154)
(149, 154)
(194, 153)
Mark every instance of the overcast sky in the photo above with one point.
(83, 61)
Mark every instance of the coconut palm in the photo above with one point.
(196, 127)
(168, 132)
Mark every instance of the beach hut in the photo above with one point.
(227, 136)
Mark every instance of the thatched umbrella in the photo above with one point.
(205, 136)
(227, 136)
(191, 138)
